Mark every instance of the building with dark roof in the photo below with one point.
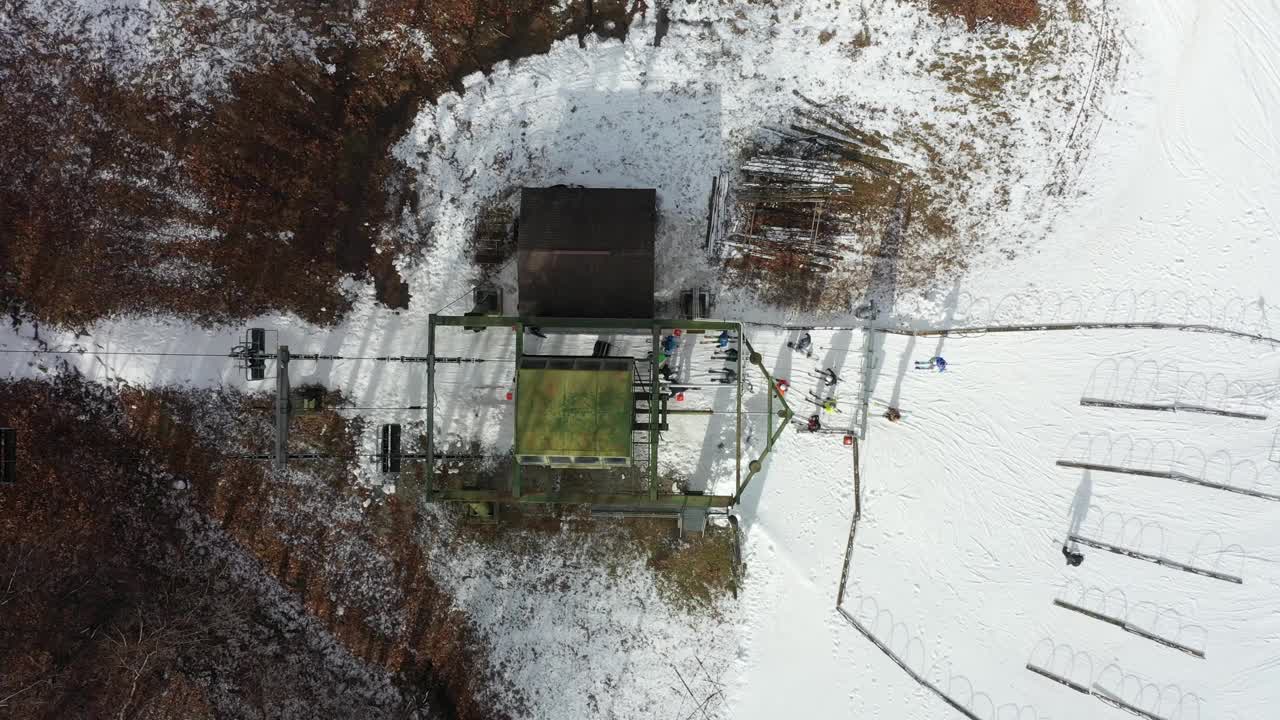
(586, 252)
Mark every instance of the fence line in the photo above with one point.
(1095, 691)
(1168, 474)
(863, 630)
(853, 526)
(1158, 560)
(1168, 407)
(898, 661)
(1034, 327)
(1129, 627)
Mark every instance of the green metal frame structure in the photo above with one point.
(651, 500)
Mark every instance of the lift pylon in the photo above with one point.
(283, 408)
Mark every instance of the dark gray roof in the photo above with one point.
(586, 252)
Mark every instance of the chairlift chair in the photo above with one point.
(389, 458)
(250, 354)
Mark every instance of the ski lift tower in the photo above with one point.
(252, 356)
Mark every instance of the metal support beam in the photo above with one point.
(654, 420)
(546, 323)
(517, 473)
(629, 500)
(737, 466)
(282, 408)
(757, 464)
(431, 405)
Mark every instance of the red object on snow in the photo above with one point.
(782, 386)
(848, 439)
(677, 332)
(679, 397)
(510, 394)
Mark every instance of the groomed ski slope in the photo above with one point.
(957, 559)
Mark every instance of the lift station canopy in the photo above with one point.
(575, 412)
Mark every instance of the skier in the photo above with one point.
(725, 375)
(804, 345)
(814, 424)
(1073, 558)
(723, 341)
(669, 344)
(730, 355)
(893, 414)
(829, 405)
(932, 363)
(666, 372)
(829, 377)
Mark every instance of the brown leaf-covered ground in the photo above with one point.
(1017, 13)
(128, 197)
(118, 604)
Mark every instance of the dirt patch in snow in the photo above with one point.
(1017, 13)
(693, 573)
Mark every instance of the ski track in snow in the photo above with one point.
(957, 561)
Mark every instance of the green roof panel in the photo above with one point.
(574, 412)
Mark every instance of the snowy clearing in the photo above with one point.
(1166, 211)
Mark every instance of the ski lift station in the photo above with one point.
(582, 389)
(595, 380)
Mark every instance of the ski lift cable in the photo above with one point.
(229, 356)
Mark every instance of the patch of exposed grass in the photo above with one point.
(692, 573)
(695, 572)
(1016, 13)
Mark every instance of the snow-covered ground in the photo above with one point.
(1166, 211)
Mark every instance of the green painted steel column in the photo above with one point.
(737, 472)
(431, 404)
(517, 472)
(653, 415)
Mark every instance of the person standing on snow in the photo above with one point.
(804, 342)
(814, 424)
(829, 405)
(724, 375)
(1074, 557)
(669, 344)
